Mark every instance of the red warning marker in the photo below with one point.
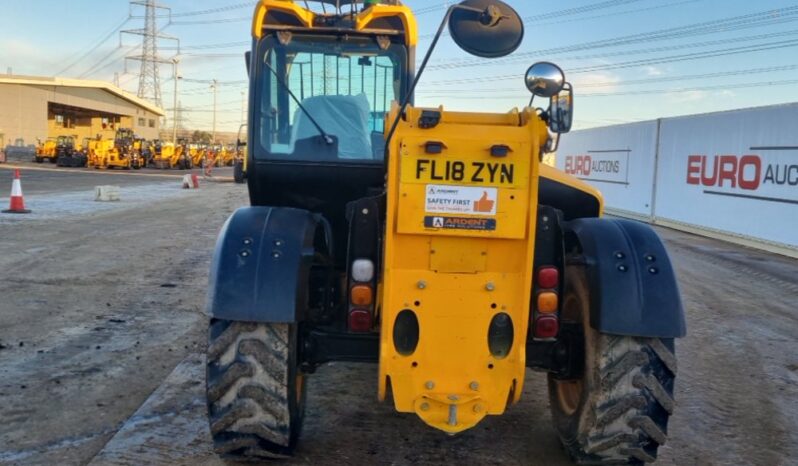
(17, 203)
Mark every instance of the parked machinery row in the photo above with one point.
(127, 151)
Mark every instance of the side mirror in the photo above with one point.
(544, 79)
(240, 143)
(247, 59)
(486, 28)
(561, 112)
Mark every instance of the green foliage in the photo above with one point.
(201, 137)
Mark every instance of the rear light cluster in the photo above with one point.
(361, 296)
(547, 303)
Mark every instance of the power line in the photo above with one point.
(522, 94)
(689, 56)
(784, 82)
(215, 55)
(211, 81)
(222, 45)
(755, 47)
(210, 21)
(615, 14)
(97, 45)
(101, 63)
(578, 10)
(632, 82)
(223, 9)
(566, 12)
(735, 23)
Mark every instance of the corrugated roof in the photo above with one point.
(84, 83)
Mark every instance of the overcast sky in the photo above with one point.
(629, 60)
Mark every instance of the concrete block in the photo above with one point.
(106, 193)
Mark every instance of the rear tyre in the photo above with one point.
(617, 413)
(255, 392)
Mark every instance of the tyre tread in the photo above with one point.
(248, 391)
(628, 426)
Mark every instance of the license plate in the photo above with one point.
(461, 172)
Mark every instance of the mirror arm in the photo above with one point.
(406, 100)
(551, 146)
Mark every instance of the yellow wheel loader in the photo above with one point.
(169, 155)
(431, 242)
(120, 154)
(96, 150)
(47, 150)
(141, 153)
(198, 154)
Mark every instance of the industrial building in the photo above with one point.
(35, 108)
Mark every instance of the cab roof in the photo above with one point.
(386, 18)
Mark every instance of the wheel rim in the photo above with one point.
(569, 392)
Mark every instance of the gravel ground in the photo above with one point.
(102, 334)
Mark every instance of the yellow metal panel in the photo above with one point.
(458, 255)
(285, 6)
(452, 380)
(402, 12)
(569, 180)
(362, 20)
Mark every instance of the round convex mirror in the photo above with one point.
(545, 79)
(486, 28)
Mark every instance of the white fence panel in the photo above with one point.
(732, 172)
(617, 160)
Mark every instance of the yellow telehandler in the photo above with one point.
(169, 155)
(47, 150)
(114, 153)
(198, 153)
(431, 242)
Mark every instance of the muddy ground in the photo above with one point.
(102, 333)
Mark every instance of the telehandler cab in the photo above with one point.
(68, 153)
(431, 242)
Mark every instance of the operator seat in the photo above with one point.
(343, 116)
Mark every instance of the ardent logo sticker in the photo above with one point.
(460, 223)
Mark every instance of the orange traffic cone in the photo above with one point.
(17, 204)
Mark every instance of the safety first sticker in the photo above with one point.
(460, 223)
(442, 199)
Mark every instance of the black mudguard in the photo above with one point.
(261, 264)
(633, 289)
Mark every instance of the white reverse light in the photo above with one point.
(362, 270)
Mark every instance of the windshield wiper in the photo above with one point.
(327, 138)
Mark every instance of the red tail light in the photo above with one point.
(548, 277)
(546, 327)
(360, 320)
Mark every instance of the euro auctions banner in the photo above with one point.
(618, 160)
(733, 171)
